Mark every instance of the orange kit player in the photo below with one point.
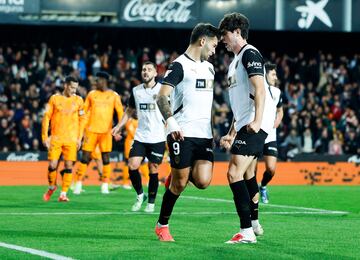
(99, 108)
(65, 114)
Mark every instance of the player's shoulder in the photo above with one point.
(54, 97)
(114, 93)
(92, 93)
(210, 66)
(276, 90)
(138, 87)
(78, 98)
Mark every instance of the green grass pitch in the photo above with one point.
(301, 222)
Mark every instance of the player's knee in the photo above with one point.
(153, 167)
(178, 186)
(233, 177)
(133, 165)
(202, 185)
(51, 168)
(271, 169)
(68, 164)
(105, 158)
(85, 158)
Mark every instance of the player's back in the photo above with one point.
(63, 113)
(99, 106)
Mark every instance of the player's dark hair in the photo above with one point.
(103, 74)
(149, 63)
(69, 79)
(269, 67)
(204, 29)
(234, 21)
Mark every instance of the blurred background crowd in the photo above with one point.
(321, 93)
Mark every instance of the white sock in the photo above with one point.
(52, 187)
(247, 231)
(159, 225)
(255, 223)
(141, 196)
(63, 193)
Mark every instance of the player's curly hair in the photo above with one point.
(234, 21)
(204, 29)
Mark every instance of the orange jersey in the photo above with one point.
(66, 117)
(130, 128)
(99, 108)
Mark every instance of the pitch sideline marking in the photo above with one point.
(175, 213)
(35, 252)
(266, 205)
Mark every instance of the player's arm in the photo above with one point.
(45, 123)
(227, 140)
(86, 109)
(82, 122)
(129, 112)
(279, 113)
(254, 65)
(122, 117)
(173, 76)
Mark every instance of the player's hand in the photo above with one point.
(78, 144)
(253, 127)
(117, 137)
(174, 129)
(226, 141)
(177, 135)
(116, 131)
(46, 143)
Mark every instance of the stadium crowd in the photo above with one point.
(321, 94)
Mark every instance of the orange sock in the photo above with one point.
(106, 173)
(144, 170)
(67, 178)
(126, 175)
(52, 178)
(80, 171)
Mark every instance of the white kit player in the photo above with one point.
(149, 140)
(274, 114)
(189, 83)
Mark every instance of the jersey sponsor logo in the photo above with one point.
(240, 142)
(147, 106)
(254, 64)
(204, 84)
(169, 11)
(312, 10)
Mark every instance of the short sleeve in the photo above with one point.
(132, 100)
(253, 62)
(174, 75)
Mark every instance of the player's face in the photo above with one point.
(148, 73)
(101, 83)
(208, 48)
(70, 89)
(271, 77)
(229, 39)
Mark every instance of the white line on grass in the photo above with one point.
(35, 252)
(266, 205)
(328, 212)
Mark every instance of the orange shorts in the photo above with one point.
(91, 140)
(68, 150)
(96, 154)
(127, 147)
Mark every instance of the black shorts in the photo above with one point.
(183, 154)
(154, 152)
(270, 149)
(250, 144)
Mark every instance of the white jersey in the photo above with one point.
(192, 97)
(151, 125)
(246, 64)
(270, 113)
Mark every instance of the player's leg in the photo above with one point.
(53, 157)
(105, 144)
(253, 189)
(237, 168)
(154, 153)
(202, 170)
(246, 147)
(136, 156)
(69, 152)
(181, 153)
(89, 145)
(270, 158)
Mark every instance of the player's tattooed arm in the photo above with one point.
(163, 101)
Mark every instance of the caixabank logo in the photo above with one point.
(311, 11)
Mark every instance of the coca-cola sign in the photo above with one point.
(168, 11)
(29, 157)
